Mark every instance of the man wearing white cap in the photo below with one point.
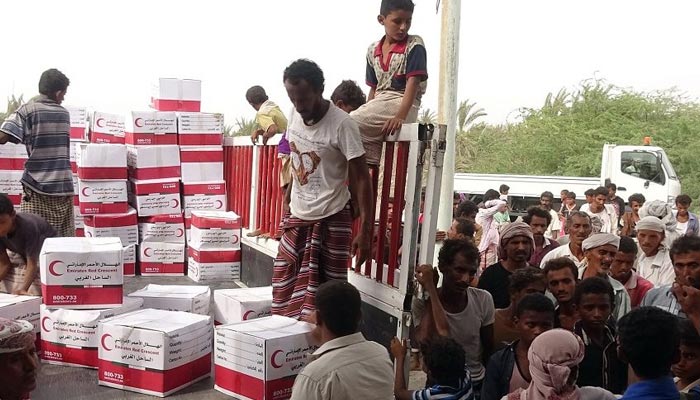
(579, 227)
(654, 262)
(600, 250)
(18, 360)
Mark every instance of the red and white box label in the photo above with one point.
(204, 196)
(78, 123)
(101, 161)
(129, 255)
(259, 359)
(146, 128)
(202, 164)
(21, 307)
(69, 337)
(215, 230)
(200, 129)
(81, 272)
(13, 156)
(155, 352)
(11, 185)
(154, 162)
(124, 226)
(162, 228)
(162, 259)
(172, 94)
(236, 305)
(154, 197)
(193, 299)
(209, 265)
(103, 197)
(107, 128)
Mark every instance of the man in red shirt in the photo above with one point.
(622, 269)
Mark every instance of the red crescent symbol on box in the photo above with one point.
(176, 203)
(179, 232)
(272, 359)
(247, 313)
(43, 324)
(102, 341)
(85, 191)
(235, 239)
(100, 122)
(146, 250)
(51, 268)
(88, 234)
(219, 204)
(138, 122)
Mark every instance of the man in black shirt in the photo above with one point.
(515, 249)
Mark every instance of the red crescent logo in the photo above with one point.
(52, 266)
(273, 361)
(247, 314)
(176, 203)
(43, 324)
(88, 234)
(235, 239)
(102, 341)
(146, 251)
(86, 192)
(138, 122)
(100, 122)
(179, 232)
(219, 204)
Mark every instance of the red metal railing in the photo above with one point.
(238, 162)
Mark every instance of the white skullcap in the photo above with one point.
(650, 223)
(600, 239)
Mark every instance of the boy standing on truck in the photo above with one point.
(396, 73)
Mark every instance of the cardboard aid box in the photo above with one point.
(146, 128)
(162, 228)
(236, 305)
(129, 255)
(21, 307)
(81, 272)
(155, 352)
(215, 230)
(107, 128)
(155, 197)
(69, 337)
(194, 299)
(259, 359)
(103, 197)
(101, 161)
(153, 162)
(213, 265)
(162, 259)
(172, 94)
(11, 186)
(202, 164)
(200, 129)
(13, 156)
(78, 123)
(204, 196)
(124, 226)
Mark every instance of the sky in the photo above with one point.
(512, 52)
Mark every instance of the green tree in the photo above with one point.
(427, 116)
(242, 127)
(13, 104)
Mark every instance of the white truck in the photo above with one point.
(634, 169)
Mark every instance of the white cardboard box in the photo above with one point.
(194, 299)
(69, 337)
(155, 197)
(21, 307)
(153, 162)
(204, 196)
(101, 161)
(213, 265)
(200, 129)
(213, 230)
(13, 156)
(103, 197)
(172, 94)
(162, 259)
(124, 226)
(78, 123)
(259, 359)
(78, 217)
(81, 272)
(155, 352)
(10, 184)
(236, 305)
(129, 255)
(147, 128)
(107, 128)
(162, 228)
(202, 164)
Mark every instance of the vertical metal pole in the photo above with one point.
(447, 103)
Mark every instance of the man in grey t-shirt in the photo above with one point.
(24, 235)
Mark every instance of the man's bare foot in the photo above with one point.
(255, 233)
(265, 235)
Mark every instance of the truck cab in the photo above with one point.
(640, 169)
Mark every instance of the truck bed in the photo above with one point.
(523, 185)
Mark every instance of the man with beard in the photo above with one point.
(579, 227)
(600, 250)
(514, 251)
(19, 363)
(546, 200)
(539, 220)
(654, 262)
(561, 276)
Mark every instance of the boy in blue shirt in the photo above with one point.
(396, 72)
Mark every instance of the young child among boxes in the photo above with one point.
(22, 234)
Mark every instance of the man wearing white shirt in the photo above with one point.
(606, 212)
(579, 228)
(654, 262)
(546, 200)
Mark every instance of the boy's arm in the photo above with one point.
(5, 264)
(29, 275)
(398, 350)
(486, 335)
(372, 92)
(409, 96)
